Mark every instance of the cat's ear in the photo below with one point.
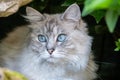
(33, 15)
(72, 13)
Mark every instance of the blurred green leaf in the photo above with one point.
(91, 5)
(116, 49)
(111, 19)
(80, 1)
(98, 15)
(117, 43)
(68, 2)
(119, 2)
(115, 5)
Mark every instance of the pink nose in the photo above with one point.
(50, 51)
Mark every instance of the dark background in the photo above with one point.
(103, 42)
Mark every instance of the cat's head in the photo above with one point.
(59, 38)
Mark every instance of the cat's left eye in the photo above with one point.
(42, 38)
(61, 37)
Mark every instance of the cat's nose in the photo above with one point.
(50, 51)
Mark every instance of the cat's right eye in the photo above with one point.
(42, 38)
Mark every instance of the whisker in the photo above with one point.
(102, 62)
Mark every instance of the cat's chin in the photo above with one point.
(51, 60)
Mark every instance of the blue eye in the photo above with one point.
(61, 37)
(42, 38)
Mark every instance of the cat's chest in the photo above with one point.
(56, 78)
(55, 74)
(45, 73)
(52, 78)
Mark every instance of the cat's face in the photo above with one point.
(60, 38)
(51, 41)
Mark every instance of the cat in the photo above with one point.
(57, 47)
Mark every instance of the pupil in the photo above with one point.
(60, 37)
(43, 38)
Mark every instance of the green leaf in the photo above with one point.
(119, 40)
(115, 5)
(116, 49)
(98, 15)
(119, 2)
(68, 2)
(91, 5)
(111, 19)
(80, 1)
(117, 43)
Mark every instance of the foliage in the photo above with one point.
(111, 12)
(117, 45)
(69, 2)
(111, 7)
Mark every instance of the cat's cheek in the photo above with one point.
(44, 54)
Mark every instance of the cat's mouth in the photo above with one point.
(52, 59)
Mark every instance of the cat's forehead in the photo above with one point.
(51, 25)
